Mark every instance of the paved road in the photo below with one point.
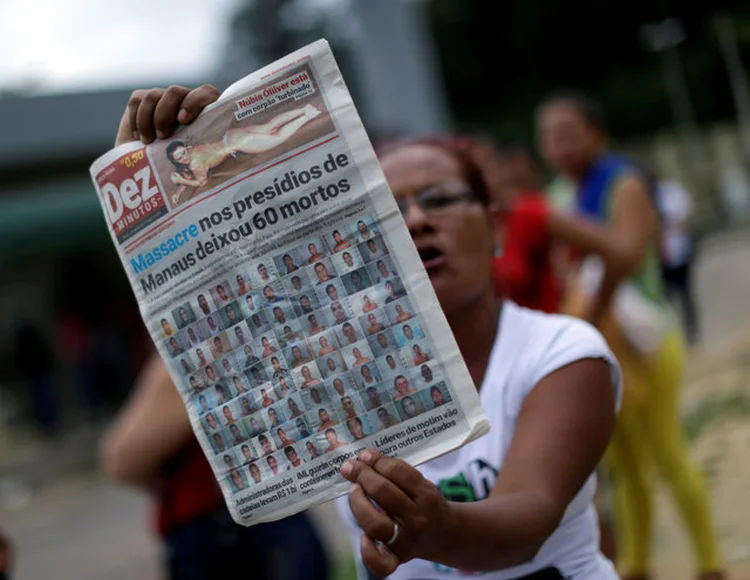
(80, 527)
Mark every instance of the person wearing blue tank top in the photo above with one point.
(618, 221)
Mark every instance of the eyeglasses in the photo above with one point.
(435, 200)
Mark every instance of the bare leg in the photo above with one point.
(259, 140)
(279, 120)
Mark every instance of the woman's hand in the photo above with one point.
(154, 113)
(407, 499)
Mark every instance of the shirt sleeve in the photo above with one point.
(574, 340)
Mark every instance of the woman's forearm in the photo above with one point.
(500, 532)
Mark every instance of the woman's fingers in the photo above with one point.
(153, 113)
(383, 491)
(378, 558)
(373, 522)
(144, 117)
(195, 101)
(167, 108)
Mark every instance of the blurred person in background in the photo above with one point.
(6, 557)
(35, 363)
(152, 446)
(678, 250)
(533, 243)
(624, 295)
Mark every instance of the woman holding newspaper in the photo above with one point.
(516, 503)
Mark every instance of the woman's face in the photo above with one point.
(568, 143)
(456, 243)
(181, 155)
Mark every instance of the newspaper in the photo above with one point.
(280, 284)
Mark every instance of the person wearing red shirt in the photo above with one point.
(152, 446)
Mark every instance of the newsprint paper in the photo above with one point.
(280, 285)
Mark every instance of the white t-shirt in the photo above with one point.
(675, 207)
(529, 346)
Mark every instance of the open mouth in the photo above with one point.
(431, 257)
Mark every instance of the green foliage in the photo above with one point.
(500, 58)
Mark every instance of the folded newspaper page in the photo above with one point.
(280, 285)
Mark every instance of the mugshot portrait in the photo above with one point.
(384, 417)
(227, 365)
(357, 355)
(335, 438)
(274, 416)
(240, 335)
(284, 386)
(408, 332)
(348, 334)
(330, 292)
(305, 302)
(289, 334)
(288, 262)
(256, 425)
(250, 304)
(373, 249)
(258, 324)
(375, 396)
(272, 293)
(220, 345)
(230, 314)
(202, 305)
(184, 364)
(331, 364)
(246, 454)
(365, 228)
(312, 449)
(374, 322)
(194, 335)
(280, 314)
(349, 407)
(264, 273)
(356, 281)
(399, 311)
(435, 396)
(293, 457)
(204, 402)
(241, 283)
(307, 376)
(382, 343)
(222, 294)
(256, 375)
(359, 427)
(340, 385)
(324, 272)
(294, 407)
(324, 343)
(227, 461)
(339, 240)
(366, 375)
(366, 302)
(315, 323)
(347, 261)
(382, 270)
(183, 315)
(338, 312)
(175, 346)
(264, 444)
(247, 405)
(211, 325)
(297, 282)
(285, 435)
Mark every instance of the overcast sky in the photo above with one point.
(61, 45)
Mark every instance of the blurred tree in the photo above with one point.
(262, 31)
(499, 59)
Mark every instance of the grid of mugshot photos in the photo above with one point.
(300, 354)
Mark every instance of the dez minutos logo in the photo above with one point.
(131, 197)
